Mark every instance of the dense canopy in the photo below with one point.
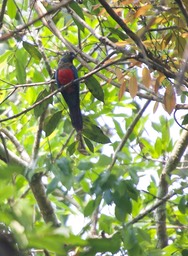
(127, 195)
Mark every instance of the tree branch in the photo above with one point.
(145, 56)
(24, 155)
(170, 165)
(36, 186)
(2, 12)
(31, 107)
(151, 209)
(44, 203)
(13, 158)
(19, 29)
(125, 28)
(160, 216)
(128, 133)
(183, 9)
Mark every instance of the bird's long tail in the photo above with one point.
(76, 117)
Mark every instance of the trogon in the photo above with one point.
(66, 73)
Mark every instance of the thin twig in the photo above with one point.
(65, 144)
(181, 126)
(128, 133)
(151, 209)
(60, 89)
(31, 107)
(19, 29)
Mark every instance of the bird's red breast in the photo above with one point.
(65, 76)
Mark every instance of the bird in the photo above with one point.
(66, 73)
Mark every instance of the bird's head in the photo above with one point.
(67, 57)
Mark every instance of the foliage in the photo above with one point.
(131, 58)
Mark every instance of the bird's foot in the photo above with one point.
(81, 145)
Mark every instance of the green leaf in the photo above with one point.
(46, 238)
(170, 250)
(90, 207)
(63, 172)
(120, 213)
(90, 6)
(89, 144)
(6, 192)
(85, 165)
(182, 205)
(129, 237)
(158, 147)
(108, 197)
(79, 25)
(104, 182)
(77, 9)
(11, 9)
(20, 69)
(94, 87)
(104, 160)
(52, 123)
(105, 244)
(7, 170)
(118, 32)
(185, 120)
(184, 252)
(123, 203)
(38, 110)
(72, 148)
(93, 132)
(64, 165)
(131, 190)
(32, 50)
(52, 185)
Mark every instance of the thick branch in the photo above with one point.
(177, 153)
(121, 23)
(2, 12)
(145, 56)
(183, 9)
(44, 203)
(160, 216)
(171, 164)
